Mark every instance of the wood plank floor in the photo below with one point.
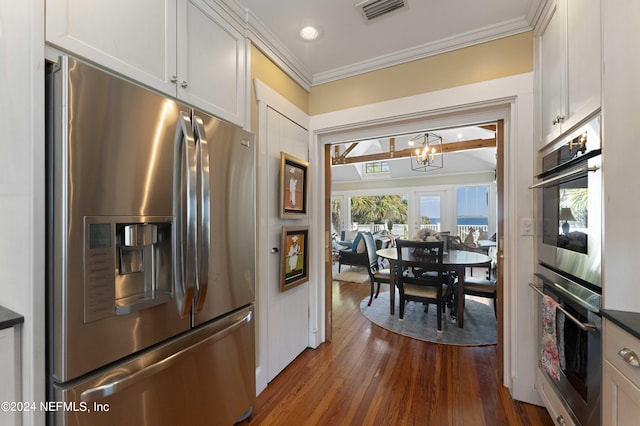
(370, 376)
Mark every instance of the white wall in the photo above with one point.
(22, 185)
(511, 99)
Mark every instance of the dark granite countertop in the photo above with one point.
(8, 318)
(628, 321)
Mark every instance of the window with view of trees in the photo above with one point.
(374, 208)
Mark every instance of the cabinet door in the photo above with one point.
(211, 62)
(10, 376)
(621, 398)
(584, 54)
(551, 67)
(134, 38)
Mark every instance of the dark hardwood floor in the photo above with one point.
(370, 376)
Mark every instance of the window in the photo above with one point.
(373, 167)
(473, 209)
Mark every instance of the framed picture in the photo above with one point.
(294, 256)
(293, 187)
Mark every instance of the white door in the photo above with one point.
(288, 312)
(430, 210)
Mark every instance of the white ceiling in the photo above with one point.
(349, 44)
(470, 161)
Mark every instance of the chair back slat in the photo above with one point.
(421, 262)
(421, 275)
(370, 244)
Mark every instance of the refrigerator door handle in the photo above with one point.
(184, 211)
(204, 234)
(121, 383)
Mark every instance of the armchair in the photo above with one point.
(356, 254)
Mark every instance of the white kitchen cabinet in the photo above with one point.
(182, 48)
(568, 65)
(551, 68)
(10, 367)
(621, 380)
(552, 402)
(211, 67)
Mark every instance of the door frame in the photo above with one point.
(509, 99)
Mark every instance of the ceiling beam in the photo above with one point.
(446, 147)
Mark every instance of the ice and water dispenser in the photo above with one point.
(127, 264)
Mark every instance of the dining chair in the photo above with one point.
(421, 276)
(483, 287)
(376, 273)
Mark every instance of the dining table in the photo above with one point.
(454, 260)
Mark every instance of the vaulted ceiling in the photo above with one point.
(469, 149)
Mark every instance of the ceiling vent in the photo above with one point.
(374, 8)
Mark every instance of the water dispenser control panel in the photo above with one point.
(127, 264)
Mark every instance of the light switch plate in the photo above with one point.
(526, 227)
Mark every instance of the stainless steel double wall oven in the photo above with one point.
(569, 261)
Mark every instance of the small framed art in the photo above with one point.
(293, 187)
(294, 256)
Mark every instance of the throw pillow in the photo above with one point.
(362, 246)
(356, 242)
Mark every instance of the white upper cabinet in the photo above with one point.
(551, 66)
(211, 62)
(568, 65)
(183, 48)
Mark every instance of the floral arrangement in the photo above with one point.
(426, 234)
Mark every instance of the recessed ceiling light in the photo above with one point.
(309, 33)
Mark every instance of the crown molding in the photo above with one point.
(264, 39)
(493, 32)
(535, 12)
(270, 45)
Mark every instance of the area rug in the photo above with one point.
(479, 322)
(354, 275)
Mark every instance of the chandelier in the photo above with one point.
(427, 154)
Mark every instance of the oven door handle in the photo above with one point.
(564, 176)
(583, 326)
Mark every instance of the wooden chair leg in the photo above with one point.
(371, 295)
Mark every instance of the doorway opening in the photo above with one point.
(445, 200)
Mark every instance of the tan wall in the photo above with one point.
(263, 69)
(487, 61)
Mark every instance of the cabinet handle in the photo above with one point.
(629, 357)
(559, 119)
(560, 420)
(174, 79)
(184, 84)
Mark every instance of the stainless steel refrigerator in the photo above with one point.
(150, 256)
